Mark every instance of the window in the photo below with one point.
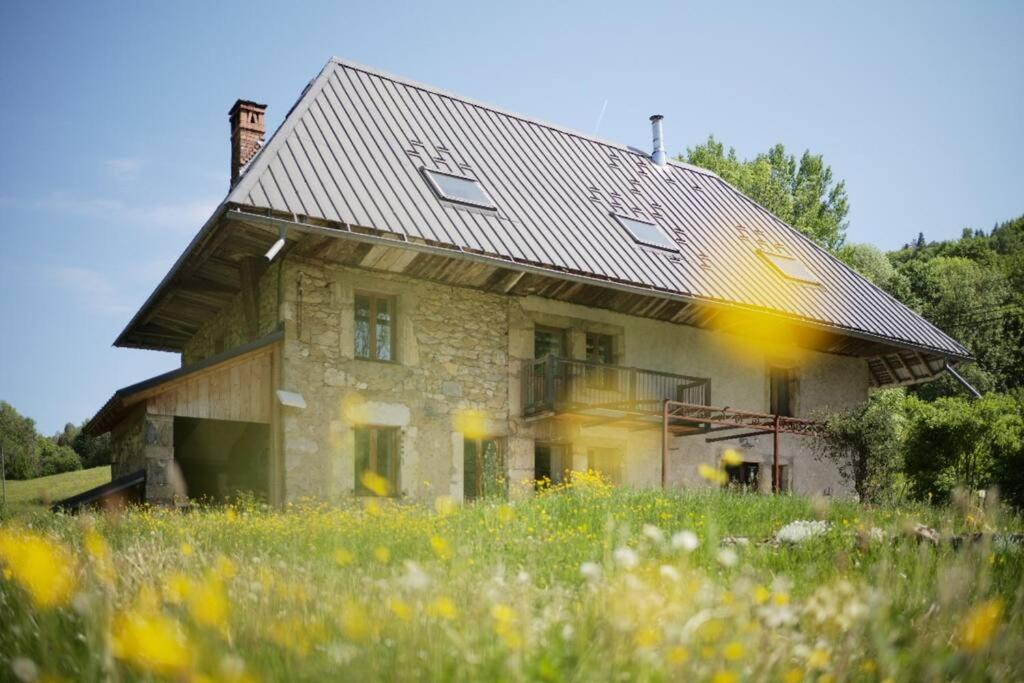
(791, 268)
(483, 471)
(600, 350)
(781, 390)
(375, 327)
(548, 341)
(744, 476)
(377, 452)
(607, 461)
(646, 233)
(548, 467)
(460, 189)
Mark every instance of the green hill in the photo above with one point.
(35, 493)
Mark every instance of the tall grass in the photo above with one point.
(585, 583)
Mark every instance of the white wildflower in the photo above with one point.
(591, 570)
(669, 572)
(415, 578)
(727, 557)
(24, 669)
(627, 558)
(685, 540)
(653, 533)
(523, 577)
(801, 530)
(568, 632)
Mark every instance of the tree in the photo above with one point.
(18, 437)
(863, 442)
(872, 263)
(54, 459)
(802, 194)
(93, 450)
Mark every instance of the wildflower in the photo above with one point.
(415, 578)
(382, 554)
(355, 624)
(727, 557)
(761, 594)
(24, 669)
(208, 605)
(379, 485)
(818, 659)
(99, 555)
(678, 655)
(732, 458)
(627, 558)
(725, 676)
(669, 572)
(442, 608)
(506, 514)
(505, 626)
(43, 568)
(794, 675)
(400, 608)
(177, 588)
(980, 625)
(591, 570)
(150, 641)
(186, 550)
(733, 652)
(712, 474)
(647, 637)
(686, 541)
(653, 533)
(441, 548)
(343, 557)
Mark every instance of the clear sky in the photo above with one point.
(114, 132)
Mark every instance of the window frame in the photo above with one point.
(773, 259)
(375, 298)
(790, 384)
(670, 247)
(561, 332)
(428, 173)
(479, 466)
(603, 378)
(373, 454)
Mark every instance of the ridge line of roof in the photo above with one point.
(508, 112)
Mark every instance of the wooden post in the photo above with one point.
(664, 444)
(776, 484)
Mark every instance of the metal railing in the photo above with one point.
(553, 384)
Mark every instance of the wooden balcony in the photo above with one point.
(557, 387)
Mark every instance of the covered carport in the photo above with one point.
(209, 430)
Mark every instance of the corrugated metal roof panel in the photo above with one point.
(353, 148)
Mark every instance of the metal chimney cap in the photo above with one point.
(656, 117)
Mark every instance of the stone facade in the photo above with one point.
(459, 354)
(144, 441)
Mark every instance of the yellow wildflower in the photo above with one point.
(678, 655)
(355, 624)
(186, 550)
(647, 637)
(99, 554)
(980, 625)
(208, 605)
(713, 475)
(400, 608)
(794, 675)
(818, 659)
(441, 548)
(733, 652)
(177, 588)
(150, 641)
(379, 485)
(442, 608)
(444, 505)
(732, 458)
(725, 676)
(761, 594)
(44, 568)
(382, 554)
(343, 557)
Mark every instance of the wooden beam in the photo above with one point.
(249, 271)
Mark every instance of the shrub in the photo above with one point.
(54, 459)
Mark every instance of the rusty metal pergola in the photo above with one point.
(687, 419)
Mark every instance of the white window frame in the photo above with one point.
(773, 259)
(428, 173)
(621, 220)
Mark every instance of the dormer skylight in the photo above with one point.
(648, 234)
(459, 189)
(790, 268)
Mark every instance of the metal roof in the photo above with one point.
(353, 149)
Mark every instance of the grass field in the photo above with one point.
(38, 493)
(587, 583)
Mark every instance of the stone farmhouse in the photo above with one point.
(462, 300)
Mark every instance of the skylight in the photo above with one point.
(460, 189)
(646, 233)
(790, 267)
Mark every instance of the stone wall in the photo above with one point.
(144, 441)
(450, 378)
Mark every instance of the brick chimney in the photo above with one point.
(248, 127)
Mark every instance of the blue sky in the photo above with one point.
(114, 133)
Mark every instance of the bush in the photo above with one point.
(864, 444)
(54, 459)
(959, 442)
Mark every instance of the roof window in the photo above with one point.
(645, 233)
(459, 189)
(790, 267)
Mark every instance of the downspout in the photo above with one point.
(959, 378)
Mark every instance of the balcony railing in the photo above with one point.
(560, 385)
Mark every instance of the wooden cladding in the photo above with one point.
(238, 389)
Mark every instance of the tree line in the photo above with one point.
(28, 454)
